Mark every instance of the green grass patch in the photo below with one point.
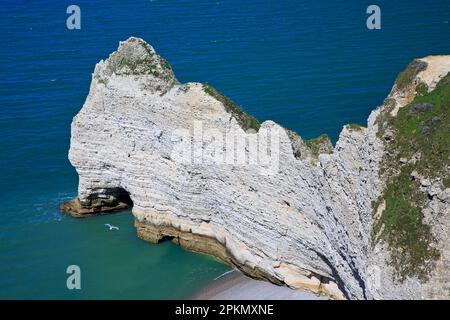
(409, 239)
(422, 89)
(355, 127)
(245, 120)
(127, 62)
(321, 144)
(406, 77)
(424, 131)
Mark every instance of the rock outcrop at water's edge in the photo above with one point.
(312, 217)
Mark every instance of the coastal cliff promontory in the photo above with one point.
(366, 219)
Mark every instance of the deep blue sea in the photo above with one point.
(311, 66)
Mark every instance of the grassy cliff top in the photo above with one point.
(418, 146)
(137, 57)
(406, 77)
(245, 120)
(319, 145)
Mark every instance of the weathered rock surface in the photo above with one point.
(303, 219)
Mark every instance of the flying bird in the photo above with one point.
(111, 227)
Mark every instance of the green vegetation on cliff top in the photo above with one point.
(320, 144)
(355, 126)
(421, 132)
(245, 120)
(129, 61)
(405, 78)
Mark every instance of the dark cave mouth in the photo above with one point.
(108, 199)
(120, 195)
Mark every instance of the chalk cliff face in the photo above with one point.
(200, 171)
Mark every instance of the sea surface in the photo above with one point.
(311, 66)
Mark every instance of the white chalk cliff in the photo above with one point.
(304, 219)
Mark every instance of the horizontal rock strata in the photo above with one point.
(299, 213)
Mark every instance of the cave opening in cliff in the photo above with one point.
(121, 197)
(166, 238)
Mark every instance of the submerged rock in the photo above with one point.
(183, 155)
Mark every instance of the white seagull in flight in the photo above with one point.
(111, 227)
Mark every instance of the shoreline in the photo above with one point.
(234, 285)
(201, 240)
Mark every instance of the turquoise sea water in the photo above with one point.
(312, 66)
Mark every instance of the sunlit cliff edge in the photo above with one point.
(366, 219)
